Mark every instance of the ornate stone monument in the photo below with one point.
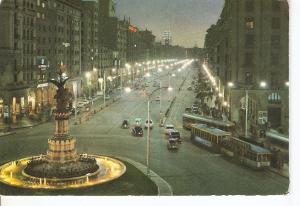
(62, 160)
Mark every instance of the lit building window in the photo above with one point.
(38, 15)
(38, 3)
(250, 23)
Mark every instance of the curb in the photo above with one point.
(278, 173)
(164, 189)
(7, 134)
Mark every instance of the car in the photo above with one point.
(138, 121)
(169, 127)
(190, 88)
(194, 108)
(73, 110)
(125, 124)
(83, 103)
(174, 135)
(149, 125)
(157, 98)
(107, 97)
(80, 105)
(172, 145)
(137, 131)
(188, 109)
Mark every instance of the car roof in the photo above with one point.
(169, 125)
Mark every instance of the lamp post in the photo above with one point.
(262, 85)
(88, 77)
(230, 86)
(148, 129)
(104, 89)
(75, 97)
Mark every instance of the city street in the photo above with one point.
(190, 171)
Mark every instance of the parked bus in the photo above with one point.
(190, 119)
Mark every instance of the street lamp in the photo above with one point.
(263, 84)
(148, 129)
(127, 89)
(88, 77)
(287, 84)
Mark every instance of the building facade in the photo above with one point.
(248, 48)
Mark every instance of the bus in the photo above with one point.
(190, 119)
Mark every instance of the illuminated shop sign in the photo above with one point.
(132, 29)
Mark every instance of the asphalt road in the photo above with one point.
(190, 171)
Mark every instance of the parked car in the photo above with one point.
(137, 131)
(188, 109)
(73, 110)
(190, 88)
(149, 124)
(107, 97)
(82, 103)
(157, 98)
(195, 109)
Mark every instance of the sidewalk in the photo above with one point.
(24, 123)
(283, 172)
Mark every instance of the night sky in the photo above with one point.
(188, 19)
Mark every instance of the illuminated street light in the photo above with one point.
(287, 84)
(230, 84)
(148, 74)
(127, 89)
(263, 84)
(88, 75)
(128, 66)
(170, 89)
(173, 75)
(110, 78)
(225, 104)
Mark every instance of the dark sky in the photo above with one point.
(188, 19)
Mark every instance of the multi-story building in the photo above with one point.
(133, 44)
(17, 58)
(90, 52)
(36, 37)
(107, 8)
(167, 38)
(147, 40)
(248, 47)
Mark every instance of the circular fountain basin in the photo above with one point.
(12, 173)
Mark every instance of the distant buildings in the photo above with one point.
(167, 38)
(248, 48)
